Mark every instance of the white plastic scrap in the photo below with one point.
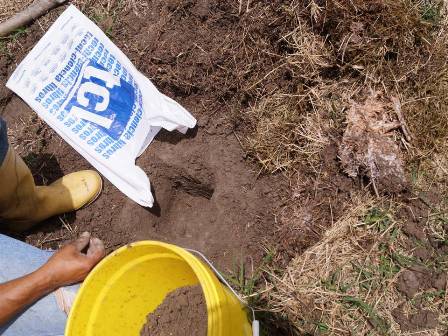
(91, 94)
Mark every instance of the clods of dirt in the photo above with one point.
(423, 319)
(414, 217)
(183, 312)
(418, 278)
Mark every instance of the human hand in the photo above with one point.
(69, 265)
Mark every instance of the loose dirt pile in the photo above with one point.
(183, 312)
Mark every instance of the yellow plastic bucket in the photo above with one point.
(133, 281)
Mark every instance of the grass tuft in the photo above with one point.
(284, 134)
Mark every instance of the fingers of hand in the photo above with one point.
(96, 250)
(83, 241)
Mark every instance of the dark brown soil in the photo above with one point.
(423, 319)
(183, 312)
(418, 278)
(426, 250)
(423, 276)
(207, 196)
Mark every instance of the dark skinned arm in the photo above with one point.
(67, 266)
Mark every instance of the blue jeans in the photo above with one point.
(3, 141)
(43, 318)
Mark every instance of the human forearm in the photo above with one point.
(67, 266)
(17, 294)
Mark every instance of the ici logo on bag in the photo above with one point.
(103, 99)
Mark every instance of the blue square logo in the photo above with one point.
(103, 99)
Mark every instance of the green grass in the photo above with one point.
(377, 219)
(19, 32)
(239, 279)
(387, 267)
(430, 11)
(377, 322)
(433, 294)
(370, 275)
(332, 283)
(247, 282)
(402, 260)
(3, 49)
(14, 36)
(322, 327)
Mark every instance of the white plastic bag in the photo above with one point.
(89, 92)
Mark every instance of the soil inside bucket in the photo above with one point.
(183, 312)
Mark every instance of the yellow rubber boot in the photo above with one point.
(23, 204)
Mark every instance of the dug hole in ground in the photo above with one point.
(316, 179)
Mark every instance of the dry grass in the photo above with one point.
(345, 284)
(283, 135)
(8, 7)
(290, 128)
(397, 48)
(94, 9)
(27, 136)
